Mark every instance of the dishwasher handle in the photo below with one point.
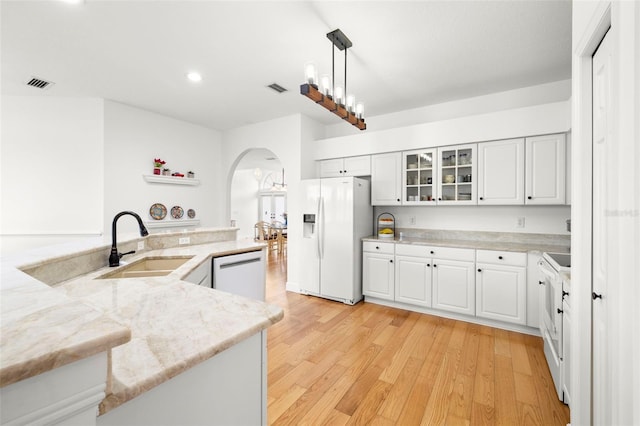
(239, 263)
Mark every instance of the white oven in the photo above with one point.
(551, 294)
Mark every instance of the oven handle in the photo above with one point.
(546, 270)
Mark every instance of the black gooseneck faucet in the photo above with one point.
(114, 257)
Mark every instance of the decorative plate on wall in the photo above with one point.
(176, 212)
(191, 213)
(158, 211)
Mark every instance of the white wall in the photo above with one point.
(133, 138)
(527, 96)
(282, 137)
(52, 170)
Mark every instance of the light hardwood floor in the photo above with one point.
(333, 364)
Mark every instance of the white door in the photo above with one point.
(454, 286)
(336, 238)
(545, 169)
(602, 163)
(501, 292)
(386, 174)
(309, 247)
(413, 280)
(332, 168)
(501, 172)
(378, 275)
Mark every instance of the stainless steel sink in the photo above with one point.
(155, 266)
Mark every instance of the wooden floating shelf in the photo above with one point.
(172, 180)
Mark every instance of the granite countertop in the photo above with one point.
(155, 327)
(518, 242)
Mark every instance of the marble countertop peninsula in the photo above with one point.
(155, 327)
(480, 240)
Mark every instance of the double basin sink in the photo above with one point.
(153, 266)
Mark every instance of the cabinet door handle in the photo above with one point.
(390, 260)
(500, 257)
(398, 199)
(564, 293)
(541, 282)
(529, 197)
(431, 252)
(595, 296)
(345, 171)
(560, 310)
(434, 265)
(481, 198)
(439, 199)
(429, 265)
(479, 270)
(377, 248)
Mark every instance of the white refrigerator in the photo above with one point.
(337, 213)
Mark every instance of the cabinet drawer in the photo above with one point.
(452, 253)
(501, 257)
(377, 247)
(414, 250)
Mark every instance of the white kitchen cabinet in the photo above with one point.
(501, 172)
(67, 395)
(419, 177)
(457, 175)
(545, 169)
(501, 286)
(201, 275)
(378, 270)
(454, 280)
(226, 389)
(386, 179)
(349, 166)
(413, 280)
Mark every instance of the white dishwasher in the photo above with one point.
(242, 274)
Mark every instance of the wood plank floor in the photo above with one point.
(334, 364)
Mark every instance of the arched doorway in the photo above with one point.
(258, 191)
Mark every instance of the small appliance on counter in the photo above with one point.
(386, 225)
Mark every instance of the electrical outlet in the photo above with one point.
(140, 245)
(184, 240)
(412, 220)
(520, 222)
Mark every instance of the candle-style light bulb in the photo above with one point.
(310, 73)
(325, 85)
(351, 103)
(359, 110)
(339, 95)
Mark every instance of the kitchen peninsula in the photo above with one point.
(73, 341)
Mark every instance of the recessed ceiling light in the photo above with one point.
(194, 76)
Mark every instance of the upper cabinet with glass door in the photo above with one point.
(456, 180)
(419, 177)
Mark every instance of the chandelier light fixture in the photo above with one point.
(332, 97)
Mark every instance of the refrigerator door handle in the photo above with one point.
(321, 227)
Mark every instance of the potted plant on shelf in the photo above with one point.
(157, 164)
(190, 174)
(166, 172)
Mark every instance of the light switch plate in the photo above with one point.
(140, 245)
(520, 222)
(184, 240)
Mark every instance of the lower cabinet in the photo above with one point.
(482, 283)
(378, 270)
(454, 286)
(413, 280)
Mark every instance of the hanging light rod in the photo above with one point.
(330, 96)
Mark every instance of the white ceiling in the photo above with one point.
(405, 54)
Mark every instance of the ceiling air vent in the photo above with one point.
(277, 87)
(39, 83)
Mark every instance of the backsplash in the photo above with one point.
(505, 237)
